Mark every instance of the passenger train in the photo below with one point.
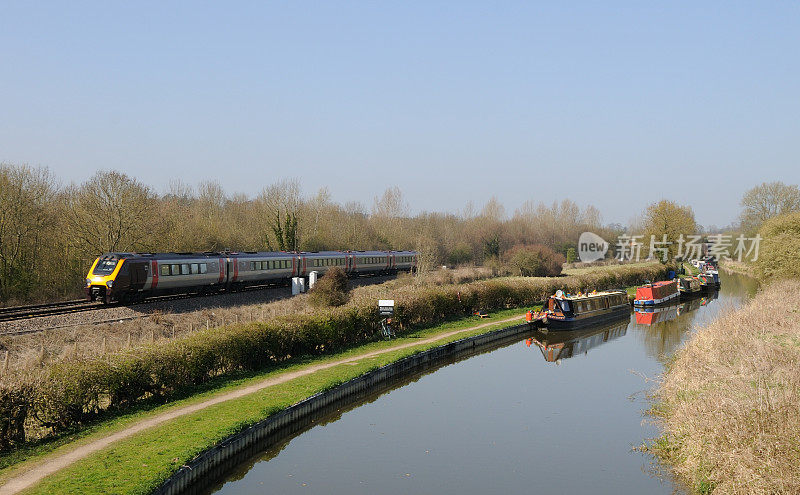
(128, 277)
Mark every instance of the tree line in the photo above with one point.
(50, 233)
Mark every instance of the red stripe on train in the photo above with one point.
(154, 265)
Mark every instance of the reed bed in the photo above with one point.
(729, 402)
(65, 378)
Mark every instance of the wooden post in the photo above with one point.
(5, 362)
(103, 348)
(152, 336)
(206, 323)
(128, 343)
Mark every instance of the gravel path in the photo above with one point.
(57, 462)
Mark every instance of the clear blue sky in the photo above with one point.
(614, 104)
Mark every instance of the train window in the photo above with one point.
(252, 265)
(176, 269)
(185, 269)
(286, 263)
(203, 267)
(195, 268)
(164, 269)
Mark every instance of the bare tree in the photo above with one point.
(26, 219)
(279, 204)
(111, 212)
(766, 201)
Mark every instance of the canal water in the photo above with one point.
(551, 413)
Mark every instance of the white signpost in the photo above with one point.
(386, 308)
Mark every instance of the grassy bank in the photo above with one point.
(737, 267)
(141, 462)
(729, 401)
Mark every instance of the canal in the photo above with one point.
(551, 413)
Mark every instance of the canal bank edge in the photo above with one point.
(215, 461)
(728, 401)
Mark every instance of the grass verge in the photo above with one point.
(728, 403)
(141, 462)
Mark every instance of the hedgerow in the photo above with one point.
(69, 393)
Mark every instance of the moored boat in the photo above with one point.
(656, 293)
(567, 311)
(689, 287)
(709, 281)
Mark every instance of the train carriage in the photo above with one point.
(126, 277)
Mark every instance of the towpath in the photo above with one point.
(35, 472)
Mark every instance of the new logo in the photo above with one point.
(591, 247)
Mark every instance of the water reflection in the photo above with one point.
(503, 420)
(664, 329)
(558, 345)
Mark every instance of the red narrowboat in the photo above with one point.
(656, 293)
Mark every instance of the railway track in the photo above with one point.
(52, 309)
(19, 313)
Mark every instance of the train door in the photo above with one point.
(233, 270)
(138, 276)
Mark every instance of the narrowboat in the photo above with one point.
(708, 282)
(568, 311)
(656, 293)
(556, 346)
(689, 287)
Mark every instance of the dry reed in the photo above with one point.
(729, 403)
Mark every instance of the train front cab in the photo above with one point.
(115, 278)
(102, 277)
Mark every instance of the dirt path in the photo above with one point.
(37, 472)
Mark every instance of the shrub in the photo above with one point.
(779, 253)
(330, 290)
(533, 261)
(572, 255)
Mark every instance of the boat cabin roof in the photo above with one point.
(571, 297)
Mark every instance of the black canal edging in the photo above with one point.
(217, 461)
